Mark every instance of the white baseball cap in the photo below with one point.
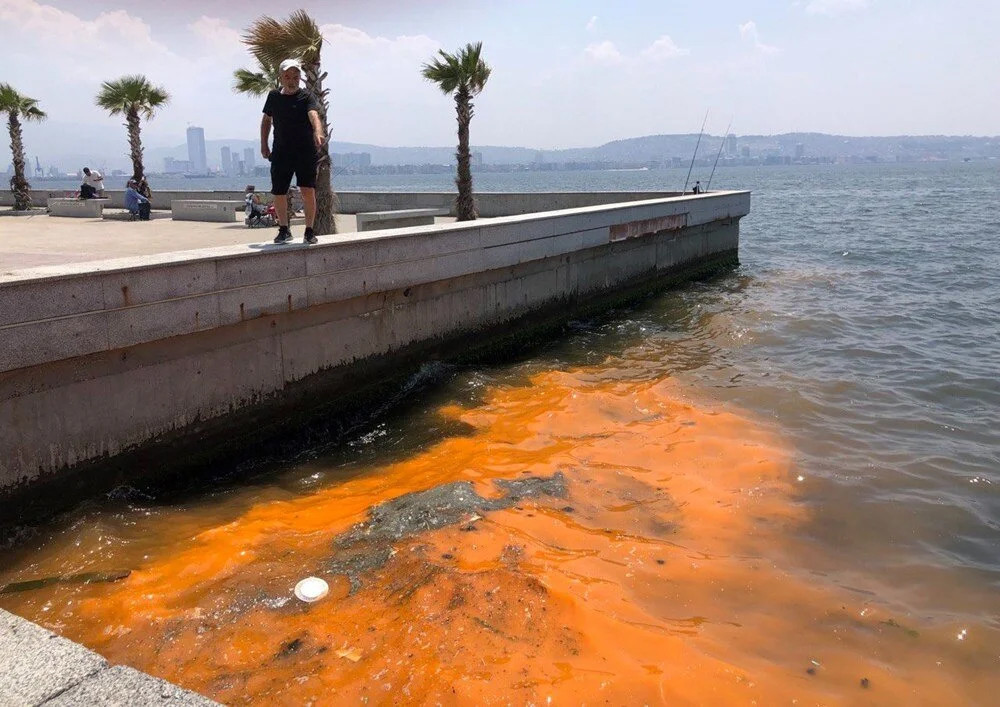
(291, 64)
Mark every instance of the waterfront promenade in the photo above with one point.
(40, 240)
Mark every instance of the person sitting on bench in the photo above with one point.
(93, 184)
(136, 203)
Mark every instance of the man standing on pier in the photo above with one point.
(298, 133)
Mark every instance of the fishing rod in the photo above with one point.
(686, 179)
(718, 155)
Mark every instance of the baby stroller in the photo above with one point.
(260, 215)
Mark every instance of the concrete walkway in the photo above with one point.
(40, 668)
(40, 239)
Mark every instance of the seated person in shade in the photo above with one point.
(142, 186)
(133, 198)
(294, 201)
(252, 203)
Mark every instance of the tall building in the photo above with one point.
(172, 166)
(352, 161)
(731, 145)
(196, 150)
(248, 160)
(227, 161)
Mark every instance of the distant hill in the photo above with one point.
(657, 147)
(664, 147)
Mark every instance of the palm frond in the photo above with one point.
(271, 41)
(131, 93)
(465, 68)
(305, 41)
(13, 102)
(255, 83)
(444, 71)
(267, 39)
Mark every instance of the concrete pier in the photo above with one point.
(157, 359)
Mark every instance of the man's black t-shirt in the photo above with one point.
(290, 115)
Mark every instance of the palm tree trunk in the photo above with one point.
(134, 143)
(326, 199)
(465, 205)
(18, 183)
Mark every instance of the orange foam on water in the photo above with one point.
(659, 578)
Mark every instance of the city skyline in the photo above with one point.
(565, 74)
(237, 157)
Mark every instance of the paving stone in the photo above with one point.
(36, 664)
(121, 686)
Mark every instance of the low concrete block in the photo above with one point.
(204, 210)
(378, 220)
(77, 208)
(37, 664)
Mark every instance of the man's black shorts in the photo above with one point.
(301, 163)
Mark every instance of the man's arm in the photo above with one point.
(319, 137)
(265, 133)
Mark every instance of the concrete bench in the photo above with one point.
(205, 210)
(77, 208)
(377, 220)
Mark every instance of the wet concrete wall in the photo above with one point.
(100, 359)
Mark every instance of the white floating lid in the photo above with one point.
(311, 589)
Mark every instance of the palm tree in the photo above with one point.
(299, 37)
(463, 73)
(134, 97)
(17, 107)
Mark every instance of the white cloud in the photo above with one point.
(592, 24)
(216, 34)
(664, 48)
(604, 53)
(48, 25)
(832, 8)
(748, 30)
(341, 39)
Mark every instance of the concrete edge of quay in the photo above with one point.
(489, 204)
(41, 668)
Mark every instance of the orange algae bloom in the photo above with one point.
(655, 578)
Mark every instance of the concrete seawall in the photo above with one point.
(490, 204)
(101, 362)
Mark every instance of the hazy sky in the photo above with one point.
(565, 73)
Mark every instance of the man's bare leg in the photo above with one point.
(281, 208)
(309, 204)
